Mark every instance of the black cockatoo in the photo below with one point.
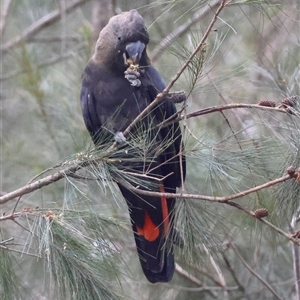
(117, 84)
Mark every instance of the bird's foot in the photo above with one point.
(133, 77)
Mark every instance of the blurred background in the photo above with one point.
(84, 248)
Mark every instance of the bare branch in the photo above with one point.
(4, 14)
(53, 39)
(179, 31)
(296, 265)
(6, 241)
(219, 108)
(18, 251)
(295, 252)
(277, 229)
(187, 275)
(205, 197)
(198, 48)
(193, 279)
(34, 186)
(227, 103)
(218, 271)
(45, 21)
(10, 216)
(234, 275)
(49, 62)
(102, 11)
(266, 284)
(225, 200)
(62, 6)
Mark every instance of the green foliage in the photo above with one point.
(10, 285)
(72, 239)
(80, 266)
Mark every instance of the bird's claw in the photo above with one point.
(133, 77)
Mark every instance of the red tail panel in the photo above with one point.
(165, 211)
(150, 231)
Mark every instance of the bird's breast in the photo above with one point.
(119, 103)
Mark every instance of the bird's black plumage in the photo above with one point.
(110, 102)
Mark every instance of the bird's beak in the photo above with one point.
(134, 51)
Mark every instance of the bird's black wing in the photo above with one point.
(172, 132)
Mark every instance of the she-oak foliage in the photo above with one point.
(73, 240)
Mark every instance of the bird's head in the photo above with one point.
(122, 42)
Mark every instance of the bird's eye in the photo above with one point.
(119, 38)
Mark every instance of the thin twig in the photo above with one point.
(37, 26)
(4, 14)
(296, 265)
(10, 216)
(53, 39)
(264, 221)
(179, 31)
(218, 270)
(6, 241)
(206, 288)
(29, 188)
(19, 251)
(193, 279)
(198, 48)
(146, 176)
(235, 277)
(295, 252)
(218, 108)
(187, 275)
(211, 109)
(266, 284)
(15, 221)
(227, 103)
(224, 199)
(63, 18)
(50, 62)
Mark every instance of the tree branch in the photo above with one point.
(36, 185)
(45, 21)
(295, 252)
(201, 286)
(218, 271)
(4, 14)
(198, 48)
(220, 108)
(277, 229)
(205, 197)
(266, 284)
(179, 31)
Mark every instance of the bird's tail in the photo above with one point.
(152, 223)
